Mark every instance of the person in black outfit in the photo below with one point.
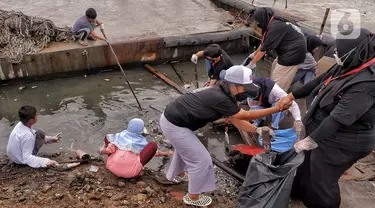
(339, 122)
(217, 61)
(286, 39)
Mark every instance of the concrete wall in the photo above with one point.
(61, 58)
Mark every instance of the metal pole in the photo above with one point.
(122, 70)
(196, 75)
(320, 52)
(227, 169)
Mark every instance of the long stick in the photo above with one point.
(196, 75)
(123, 72)
(165, 79)
(320, 52)
(178, 74)
(324, 21)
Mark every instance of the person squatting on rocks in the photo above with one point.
(192, 111)
(129, 151)
(217, 60)
(306, 70)
(25, 141)
(286, 39)
(265, 96)
(339, 123)
(83, 28)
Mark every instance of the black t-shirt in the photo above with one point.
(224, 64)
(195, 110)
(287, 40)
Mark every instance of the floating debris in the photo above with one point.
(187, 86)
(33, 87)
(21, 88)
(107, 80)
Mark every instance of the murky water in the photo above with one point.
(84, 109)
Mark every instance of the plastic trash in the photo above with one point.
(283, 141)
(269, 180)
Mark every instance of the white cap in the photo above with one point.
(241, 75)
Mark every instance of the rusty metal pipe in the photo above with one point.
(227, 169)
(165, 79)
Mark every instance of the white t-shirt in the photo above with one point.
(276, 94)
(20, 147)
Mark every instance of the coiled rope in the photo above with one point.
(22, 35)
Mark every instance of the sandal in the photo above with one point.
(203, 200)
(179, 179)
(84, 43)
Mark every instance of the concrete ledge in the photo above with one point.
(66, 58)
(244, 8)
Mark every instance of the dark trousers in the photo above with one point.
(39, 141)
(146, 154)
(316, 182)
(82, 34)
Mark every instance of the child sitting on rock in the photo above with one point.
(129, 151)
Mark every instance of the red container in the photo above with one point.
(83, 155)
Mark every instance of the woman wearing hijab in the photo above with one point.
(339, 122)
(129, 151)
(306, 70)
(286, 39)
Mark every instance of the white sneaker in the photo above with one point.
(203, 200)
(179, 179)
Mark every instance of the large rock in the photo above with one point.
(118, 197)
(139, 197)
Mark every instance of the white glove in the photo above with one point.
(252, 55)
(53, 139)
(298, 126)
(52, 163)
(194, 59)
(305, 144)
(259, 131)
(101, 26)
(251, 66)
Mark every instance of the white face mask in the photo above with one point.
(338, 60)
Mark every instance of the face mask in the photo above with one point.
(338, 60)
(253, 94)
(241, 96)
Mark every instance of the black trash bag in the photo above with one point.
(269, 180)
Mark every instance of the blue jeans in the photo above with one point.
(276, 117)
(208, 67)
(304, 76)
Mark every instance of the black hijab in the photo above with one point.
(312, 43)
(365, 50)
(263, 16)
